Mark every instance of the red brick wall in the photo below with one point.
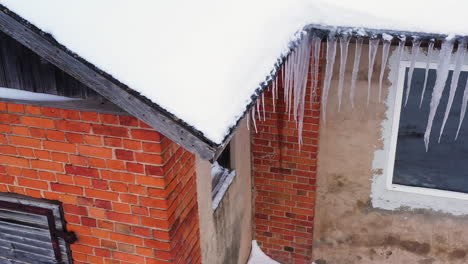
(284, 181)
(128, 192)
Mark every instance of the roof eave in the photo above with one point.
(131, 101)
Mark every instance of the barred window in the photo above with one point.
(32, 231)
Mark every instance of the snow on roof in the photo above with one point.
(203, 60)
(15, 94)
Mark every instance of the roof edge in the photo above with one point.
(103, 83)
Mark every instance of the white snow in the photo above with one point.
(257, 256)
(202, 60)
(215, 170)
(14, 94)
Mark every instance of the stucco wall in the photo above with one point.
(226, 233)
(348, 229)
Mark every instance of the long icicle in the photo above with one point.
(248, 120)
(414, 55)
(298, 72)
(258, 110)
(305, 75)
(273, 91)
(400, 49)
(463, 109)
(386, 42)
(459, 60)
(331, 53)
(344, 44)
(317, 43)
(263, 106)
(442, 74)
(373, 47)
(253, 119)
(354, 75)
(430, 51)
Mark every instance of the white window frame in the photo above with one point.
(386, 194)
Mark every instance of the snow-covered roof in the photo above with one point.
(203, 60)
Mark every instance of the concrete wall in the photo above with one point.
(226, 233)
(348, 229)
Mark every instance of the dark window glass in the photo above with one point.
(445, 165)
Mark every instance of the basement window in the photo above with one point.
(222, 176)
(32, 231)
(441, 171)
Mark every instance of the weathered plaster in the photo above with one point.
(226, 233)
(348, 227)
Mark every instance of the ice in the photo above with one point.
(330, 57)
(258, 110)
(273, 91)
(305, 62)
(442, 73)
(263, 105)
(387, 41)
(373, 46)
(344, 43)
(317, 43)
(253, 119)
(400, 49)
(430, 51)
(414, 55)
(248, 120)
(463, 109)
(357, 59)
(459, 60)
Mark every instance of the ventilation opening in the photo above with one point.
(32, 231)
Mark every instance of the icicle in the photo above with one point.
(459, 60)
(263, 105)
(463, 109)
(442, 73)
(258, 110)
(276, 88)
(357, 59)
(273, 90)
(401, 48)
(331, 52)
(253, 119)
(297, 80)
(414, 55)
(291, 82)
(386, 40)
(373, 46)
(248, 120)
(317, 43)
(430, 51)
(304, 76)
(344, 43)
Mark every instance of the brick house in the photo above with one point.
(113, 178)
(92, 171)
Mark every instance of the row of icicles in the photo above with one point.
(297, 68)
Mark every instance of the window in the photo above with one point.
(221, 176)
(406, 176)
(32, 231)
(443, 166)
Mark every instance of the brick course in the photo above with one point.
(128, 192)
(284, 180)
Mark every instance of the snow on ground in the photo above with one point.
(202, 60)
(258, 257)
(14, 94)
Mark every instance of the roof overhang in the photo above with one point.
(131, 101)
